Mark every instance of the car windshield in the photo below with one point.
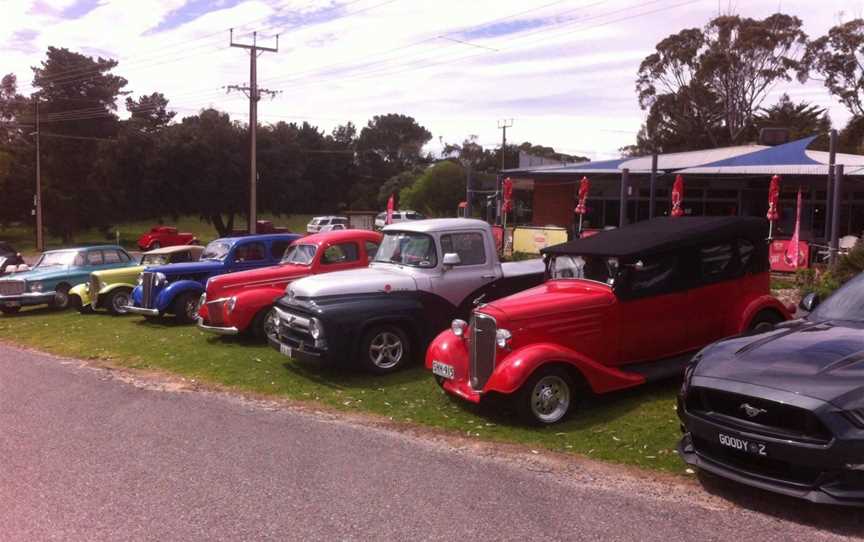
(154, 259)
(584, 267)
(54, 259)
(414, 249)
(216, 250)
(300, 254)
(847, 303)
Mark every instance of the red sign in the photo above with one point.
(779, 254)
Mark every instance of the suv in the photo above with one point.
(326, 223)
(621, 308)
(398, 216)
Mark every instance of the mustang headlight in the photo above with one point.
(315, 329)
(36, 287)
(502, 338)
(230, 304)
(688, 373)
(458, 327)
(160, 280)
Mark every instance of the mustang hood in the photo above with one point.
(820, 360)
(188, 268)
(356, 281)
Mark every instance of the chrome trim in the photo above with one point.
(12, 287)
(292, 321)
(482, 359)
(217, 330)
(148, 278)
(27, 295)
(141, 310)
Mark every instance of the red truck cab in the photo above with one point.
(618, 309)
(238, 302)
(165, 236)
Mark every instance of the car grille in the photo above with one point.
(776, 419)
(147, 280)
(94, 290)
(214, 312)
(755, 464)
(12, 287)
(483, 330)
(293, 329)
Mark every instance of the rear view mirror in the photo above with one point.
(809, 302)
(451, 259)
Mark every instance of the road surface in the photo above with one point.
(93, 454)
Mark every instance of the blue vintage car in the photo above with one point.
(49, 281)
(176, 288)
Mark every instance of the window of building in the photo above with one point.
(469, 246)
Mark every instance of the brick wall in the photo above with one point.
(553, 204)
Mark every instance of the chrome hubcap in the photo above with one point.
(61, 299)
(386, 350)
(192, 308)
(550, 399)
(120, 301)
(270, 324)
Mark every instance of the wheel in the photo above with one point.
(10, 310)
(764, 321)
(154, 245)
(547, 397)
(384, 349)
(186, 308)
(117, 301)
(61, 298)
(263, 324)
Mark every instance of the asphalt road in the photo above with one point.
(90, 454)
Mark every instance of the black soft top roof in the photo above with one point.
(664, 234)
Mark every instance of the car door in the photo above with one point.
(476, 269)
(652, 309)
(714, 294)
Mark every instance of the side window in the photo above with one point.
(469, 247)
(278, 248)
(715, 261)
(745, 254)
(250, 252)
(371, 250)
(657, 275)
(94, 257)
(124, 256)
(341, 253)
(179, 257)
(79, 260)
(111, 256)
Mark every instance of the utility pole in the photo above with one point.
(37, 199)
(503, 125)
(254, 94)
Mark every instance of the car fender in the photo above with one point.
(752, 308)
(166, 297)
(451, 350)
(512, 371)
(117, 286)
(250, 302)
(81, 291)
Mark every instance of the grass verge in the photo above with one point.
(637, 427)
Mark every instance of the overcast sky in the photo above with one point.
(563, 70)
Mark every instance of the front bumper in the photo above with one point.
(142, 311)
(26, 299)
(296, 350)
(217, 329)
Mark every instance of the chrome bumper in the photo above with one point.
(217, 330)
(142, 311)
(27, 298)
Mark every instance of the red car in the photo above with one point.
(238, 302)
(618, 309)
(165, 236)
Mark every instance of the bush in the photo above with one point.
(824, 281)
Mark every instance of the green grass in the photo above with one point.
(23, 237)
(637, 427)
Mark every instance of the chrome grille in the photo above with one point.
(214, 312)
(483, 330)
(12, 287)
(147, 279)
(94, 291)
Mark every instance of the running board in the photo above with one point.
(652, 371)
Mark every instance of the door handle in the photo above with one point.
(487, 277)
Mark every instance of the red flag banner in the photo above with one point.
(390, 204)
(773, 199)
(793, 249)
(507, 204)
(678, 196)
(584, 187)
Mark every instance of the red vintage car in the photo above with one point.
(618, 309)
(241, 302)
(165, 236)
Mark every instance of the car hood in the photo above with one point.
(266, 276)
(49, 273)
(821, 360)
(555, 296)
(121, 274)
(356, 281)
(188, 268)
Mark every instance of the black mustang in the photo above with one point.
(784, 410)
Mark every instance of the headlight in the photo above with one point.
(230, 304)
(315, 328)
(502, 338)
(140, 280)
(458, 327)
(688, 373)
(160, 279)
(35, 286)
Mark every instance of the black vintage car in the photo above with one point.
(8, 257)
(784, 410)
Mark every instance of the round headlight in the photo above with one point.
(502, 338)
(315, 328)
(160, 279)
(230, 304)
(458, 327)
(35, 286)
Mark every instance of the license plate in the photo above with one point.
(12, 304)
(286, 350)
(743, 445)
(443, 370)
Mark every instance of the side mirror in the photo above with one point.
(809, 302)
(451, 259)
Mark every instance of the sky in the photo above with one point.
(563, 71)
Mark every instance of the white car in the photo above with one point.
(398, 216)
(326, 223)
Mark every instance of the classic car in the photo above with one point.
(620, 308)
(111, 289)
(424, 273)
(176, 288)
(49, 281)
(165, 236)
(784, 411)
(10, 258)
(326, 223)
(243, 301)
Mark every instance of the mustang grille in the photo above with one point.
(147, 279)
(771, 418)
(94, 291)
(482, 361)
(756, 464)
(12, 287)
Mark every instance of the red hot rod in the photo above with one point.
(165, 236)
(618, 309)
